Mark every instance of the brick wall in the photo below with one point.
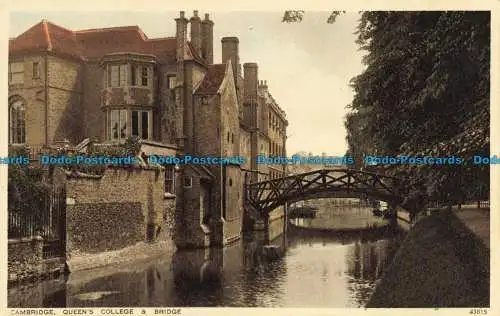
(32, 92)
(207, 122)
(230, 131)
(138, 192)
(91, 100)
(64, 100)
(234, 203)
(189, 231)
(167, 109)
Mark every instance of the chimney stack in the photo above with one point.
(230, 51)
(251, 112)
(250, 81)
(196, 37)
(207, 40)
(181, 35)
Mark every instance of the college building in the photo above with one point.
(102, 86)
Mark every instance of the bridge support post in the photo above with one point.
(261, 228)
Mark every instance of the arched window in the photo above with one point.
(17, 124)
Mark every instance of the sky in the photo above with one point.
(307, 65)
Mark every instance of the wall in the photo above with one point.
(166, 127)
(190, 232)
(32, 92)
(99, 227)
(64, 100)
(94, 117)
(234, 204)
(96, 208)
(207, 122)
(24, 258)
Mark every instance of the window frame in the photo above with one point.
(20, 107)
(120, 125)
(121, 74)
(19, 72)
(36, 70)
(140, 131)
(169, 186)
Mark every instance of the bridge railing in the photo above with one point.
(271, 193)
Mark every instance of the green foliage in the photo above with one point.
(131, 147)
(27, 191)
(425, 91)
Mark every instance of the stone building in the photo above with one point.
(105, 85)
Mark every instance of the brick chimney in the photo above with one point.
(230, 51)
(207, 39)
(250, 81)
(251, 110)
(196, 37)
(181, 35)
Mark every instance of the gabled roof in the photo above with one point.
(212, 80)
(95, 43)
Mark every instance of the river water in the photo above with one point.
(315, 269)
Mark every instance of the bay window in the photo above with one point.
(117, 75)
(141, 124)
(118, 124)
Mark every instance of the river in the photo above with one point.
(316, 269)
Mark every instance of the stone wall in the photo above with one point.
(122, 208)
(99, 227)
(24, 258)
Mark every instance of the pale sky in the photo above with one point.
(307, 65)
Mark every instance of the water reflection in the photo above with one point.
(318, 269)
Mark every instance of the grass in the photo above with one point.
(440, 264)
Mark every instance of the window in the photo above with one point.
(36, 70)
(204, 100)
(17, 127)
(171, 81)
(169, 179)
(16, 73)
(187, 182)
(117, 75)
(141, 124)
(118, 124)
(144, 76)
(232, 138)
(230, 182)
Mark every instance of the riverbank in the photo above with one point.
(441, 263)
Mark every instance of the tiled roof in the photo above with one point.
(95, 43)
(213, 79)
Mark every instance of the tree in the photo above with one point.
(425, 91)
(294, 16)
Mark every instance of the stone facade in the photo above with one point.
(114, 83)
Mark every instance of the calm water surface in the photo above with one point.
(324, 269)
